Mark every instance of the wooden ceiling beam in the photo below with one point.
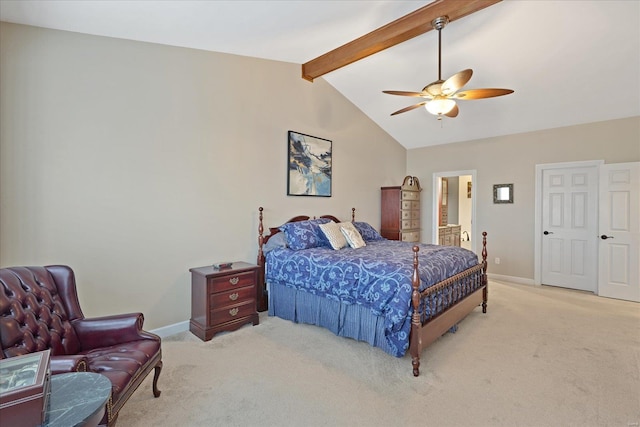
(409, 26)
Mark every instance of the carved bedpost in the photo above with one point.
(261, 298)
(260, 235)
(485, 282)
(415, 338)
(353, 214)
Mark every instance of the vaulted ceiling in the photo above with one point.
(569, 62)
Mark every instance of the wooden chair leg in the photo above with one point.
(156, 374)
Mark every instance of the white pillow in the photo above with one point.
(352, 235)
(333, 233)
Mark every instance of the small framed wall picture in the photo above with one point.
(503, 193)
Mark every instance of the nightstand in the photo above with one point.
(222, 300)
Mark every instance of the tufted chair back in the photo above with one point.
(39, 310)
(36, 310)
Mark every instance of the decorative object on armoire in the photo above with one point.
(440, 95)
(400, 211)
(309, 165)
(39, 308)
(503, 193)
(223, 299)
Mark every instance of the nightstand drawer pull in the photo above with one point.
(234, 296)
(234, 311)
(234, 280)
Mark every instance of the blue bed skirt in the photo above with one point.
(350, 321)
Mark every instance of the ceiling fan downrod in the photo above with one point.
(438, 24)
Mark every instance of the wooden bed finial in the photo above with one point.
(353, 214)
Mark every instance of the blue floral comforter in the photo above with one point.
(377, 276)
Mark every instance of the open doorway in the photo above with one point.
(454, 209)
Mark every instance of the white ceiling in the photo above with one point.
(569, 62)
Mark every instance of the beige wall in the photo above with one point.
(512, 159)
(133, 162)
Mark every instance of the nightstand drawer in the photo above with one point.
(231, 297)
(231, 281)
(230, 313)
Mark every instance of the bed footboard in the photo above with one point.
(443, 305)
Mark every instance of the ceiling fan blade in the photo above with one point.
(481, 93)
(453, 113)
(456, 82)
(403, 93)
(411, 107)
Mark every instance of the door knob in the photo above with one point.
(547, 232)
(605, 237)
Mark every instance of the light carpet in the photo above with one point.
(541, 356)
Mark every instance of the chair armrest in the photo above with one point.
(112, 330)
(68, 363)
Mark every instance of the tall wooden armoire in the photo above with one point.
(400, 213)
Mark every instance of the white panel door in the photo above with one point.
(619, 231)
(569, 224)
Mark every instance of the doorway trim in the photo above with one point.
(434, 203)
(537, 240)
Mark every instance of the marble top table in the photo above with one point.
(77, 399)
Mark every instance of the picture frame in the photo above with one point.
(309, 165)
(503, 193)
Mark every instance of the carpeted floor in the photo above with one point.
(541, 356)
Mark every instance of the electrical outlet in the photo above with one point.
(497, 260)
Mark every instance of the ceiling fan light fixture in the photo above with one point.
(440, 106)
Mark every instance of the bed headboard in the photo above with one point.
(262, 239)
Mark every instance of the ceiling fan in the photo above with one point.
(441, 95)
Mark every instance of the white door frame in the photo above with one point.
(537, 270)
(434, 204)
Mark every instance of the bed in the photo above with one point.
(397, 296)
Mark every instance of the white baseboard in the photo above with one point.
(169, 330)
(511, 279)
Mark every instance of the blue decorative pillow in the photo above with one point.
(305, 234)
(276, 241)
(368, 233)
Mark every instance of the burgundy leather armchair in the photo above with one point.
(39, 310)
